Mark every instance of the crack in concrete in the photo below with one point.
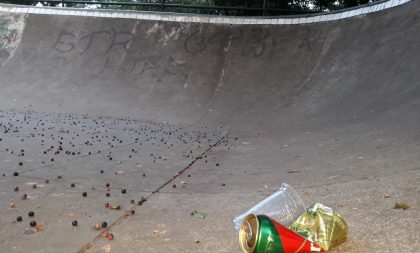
(128, 213)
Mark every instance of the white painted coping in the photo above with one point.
(192, 18)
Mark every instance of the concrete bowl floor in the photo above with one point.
(55, 159)
(175, 169)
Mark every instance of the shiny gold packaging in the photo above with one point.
(322, 225)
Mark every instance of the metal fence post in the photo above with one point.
(162, 5)
(265, 8)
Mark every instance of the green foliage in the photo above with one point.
(329, 5)
(24, 2)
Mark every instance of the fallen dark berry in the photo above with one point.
(21, 163)
(19, 218)
(132, 201)
(74, 223)
(102, 171)
(15, 174)
(104, 224)
(16, 189)
(84, 194)
(123, 191)
(31, 214)
(106, 205)
(73, 185)
(107, 194)
(32, 223)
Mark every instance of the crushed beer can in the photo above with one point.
(261, 234)
(322, 225)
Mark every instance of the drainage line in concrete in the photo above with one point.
(127, 214)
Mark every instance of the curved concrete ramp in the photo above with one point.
(331, 108)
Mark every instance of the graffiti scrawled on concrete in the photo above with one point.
(111, 46)
(11, 29)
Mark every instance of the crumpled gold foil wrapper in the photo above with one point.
(322, 225)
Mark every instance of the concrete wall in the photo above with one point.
(247, 76)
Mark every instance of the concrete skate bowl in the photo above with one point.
(329, 107)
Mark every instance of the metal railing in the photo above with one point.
(240, 8)
(163, 5)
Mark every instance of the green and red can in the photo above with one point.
(260, 234)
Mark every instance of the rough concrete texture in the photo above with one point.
(210, 118)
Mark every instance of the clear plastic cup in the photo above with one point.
(284, 206)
